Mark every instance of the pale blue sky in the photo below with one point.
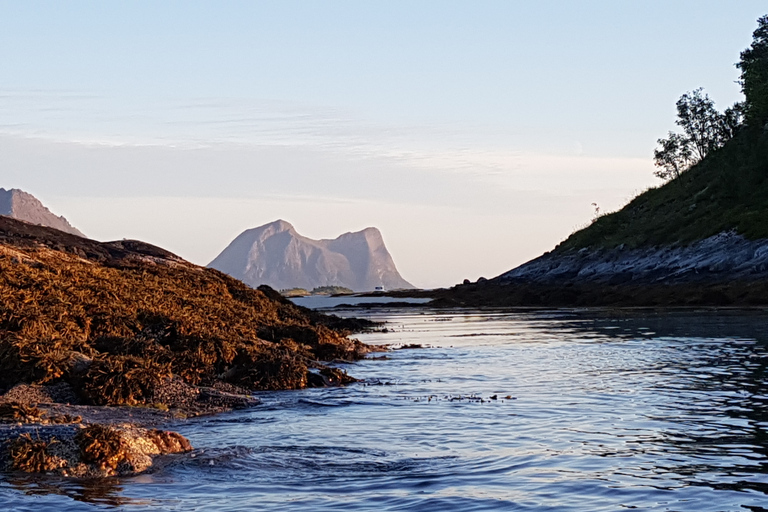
(474, 134)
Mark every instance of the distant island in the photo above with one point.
(277, 256)
(320, 290)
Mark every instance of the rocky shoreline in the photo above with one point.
(103, 344)
(723, 270)
(44, 429)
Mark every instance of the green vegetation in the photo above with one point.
(331, 290)
(320, 290)
(294, 292)
(728, 190)
(726, 186)
(704, 130)
(754, 75)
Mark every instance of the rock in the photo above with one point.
(92, 451)
(723, 257)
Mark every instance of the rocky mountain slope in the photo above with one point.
(276, 255)
(24, 206)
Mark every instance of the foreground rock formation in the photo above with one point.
(90, 451)
(276, 255)
(85, 324)
(23, 206)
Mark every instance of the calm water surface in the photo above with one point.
(593, 411)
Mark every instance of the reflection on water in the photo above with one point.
(558, 410)
(105, 491)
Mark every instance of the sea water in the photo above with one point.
(498, 410)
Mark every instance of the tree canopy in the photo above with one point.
(704, 130)
(754, 76)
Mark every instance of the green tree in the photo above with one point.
(673, 156)
(754, 76)
(704, 130)
(703, 125)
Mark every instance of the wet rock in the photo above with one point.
(61, 393)
(93, 451)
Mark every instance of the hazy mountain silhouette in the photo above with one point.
(24, 206)
(276, 255)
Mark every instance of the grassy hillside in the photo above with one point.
(728, 190)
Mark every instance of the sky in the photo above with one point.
(475, 135)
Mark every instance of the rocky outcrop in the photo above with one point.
(276, 255)
(721, 258)
(23, 206)
(94, 450)
(723, 270)
(125, 323)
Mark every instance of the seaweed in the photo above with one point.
(101, 445)
(15, 411)
(116, 320)
(32, 455)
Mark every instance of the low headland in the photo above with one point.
(102, 344)
(701, 239)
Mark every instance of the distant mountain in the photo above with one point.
(23, 206)
(276, 255)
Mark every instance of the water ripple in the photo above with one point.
(559, 410)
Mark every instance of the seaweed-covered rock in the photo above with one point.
(93, 451)
(116, 321)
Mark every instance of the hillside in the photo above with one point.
(124, 322)
(276, 255)
(700, 239)
(727, 191)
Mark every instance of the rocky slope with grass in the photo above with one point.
(700, 239)
(122, 324)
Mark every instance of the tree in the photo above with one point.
(704, 130)
(754, 76)
(703, 125)
(673, 157)
(733, 119)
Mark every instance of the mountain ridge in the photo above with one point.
(21, 205)
(275, 254)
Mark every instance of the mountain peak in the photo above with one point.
(280, 225)
(276, 255)
(24, 206)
